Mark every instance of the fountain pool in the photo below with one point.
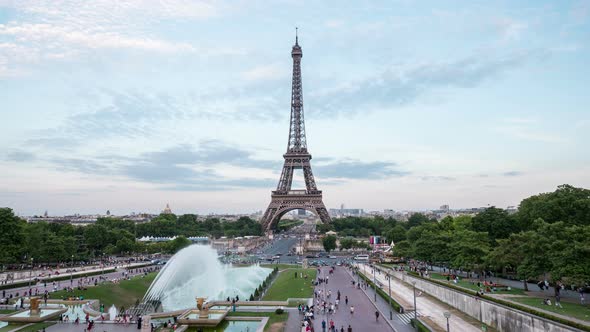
(42, 313)
(234, 326)
(196, 271)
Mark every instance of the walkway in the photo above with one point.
(363, 318)
(429, 308)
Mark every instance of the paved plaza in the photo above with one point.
(363, 318)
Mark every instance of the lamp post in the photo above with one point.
(375, 284)
(31, 277)
(415, 308)
(389, 288)
(72, 272)
(102, 267)
(447, 316)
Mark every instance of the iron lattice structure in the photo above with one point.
(284, 199)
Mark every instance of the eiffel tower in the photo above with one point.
(284, 199)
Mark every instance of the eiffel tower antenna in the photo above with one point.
(284, 199)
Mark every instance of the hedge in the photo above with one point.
(419, 325)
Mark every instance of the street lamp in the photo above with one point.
(31, 277)
(102, 267)
(375, 284)
(447, 316)
(72, 272)
(389, 288)
(415, 308)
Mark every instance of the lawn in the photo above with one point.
(6, 311)
(124, 293)
(273, 319)
(33, 328)
(464, 283)
(287, 286)
(569, 309)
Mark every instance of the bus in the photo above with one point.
(361, 257)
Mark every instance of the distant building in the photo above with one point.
(167, 210)
(341, 213)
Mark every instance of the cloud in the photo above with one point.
(60, 38)
(400, 86)
(437, 178)
(80, 165)
(196, 168)
(509, 29)
(267, 72)
(20, 156)
(129, 115)
(512, 173)
(82, 12)
(527, 131)
(352, 169)
(49, 30)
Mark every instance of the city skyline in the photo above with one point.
(128, 107)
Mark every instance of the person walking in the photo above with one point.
(376, 316)
(349, 328)
(323, 325)
(557, 295)
(351, 309)
(346, 300)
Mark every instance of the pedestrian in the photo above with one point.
(351, 309)
(346, 300)
(376, 316)
(557, 295)
(349, 328)
(323, 325)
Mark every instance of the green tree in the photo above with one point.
(11, 228)
(178, 243)
(568, 204)
(329, 243)
(496, 222)
(524, 252)
(396, 234)
(468, 250)
(417, 219)
(402, 249)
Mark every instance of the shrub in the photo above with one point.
(279, 311)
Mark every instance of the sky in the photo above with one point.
(129, 105)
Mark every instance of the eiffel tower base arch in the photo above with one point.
(282, 203)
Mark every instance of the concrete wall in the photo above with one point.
(502, 318)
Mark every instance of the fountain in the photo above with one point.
(195, 270)
(34, 314)
(34, 306)
(112, 312)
